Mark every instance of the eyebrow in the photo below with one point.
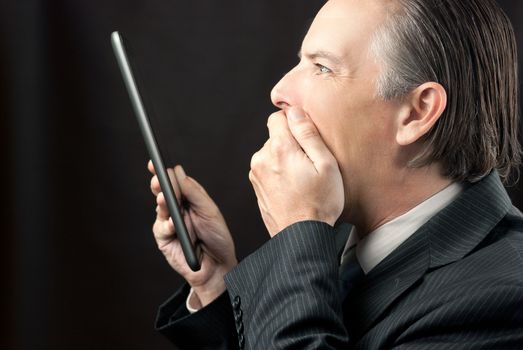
(321, 54)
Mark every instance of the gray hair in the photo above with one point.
(469, 48)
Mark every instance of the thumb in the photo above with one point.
(308, 136)
(192, 191)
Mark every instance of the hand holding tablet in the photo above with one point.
(154, 151)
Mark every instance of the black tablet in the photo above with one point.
(154, 152)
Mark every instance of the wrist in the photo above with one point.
(212, 288)
(208, 292)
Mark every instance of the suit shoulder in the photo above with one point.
(497, 260)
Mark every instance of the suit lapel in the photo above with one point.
(447, 237)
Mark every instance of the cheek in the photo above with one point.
(322, 101)
(332, 111)
(333, 124)
(354, 128)
(352, 123)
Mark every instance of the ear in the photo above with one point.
(423, 107)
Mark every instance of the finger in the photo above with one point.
(193, 192)
(253, 180)
(190, 230)
(308, 137)
(279, 131)
(175, 184)
(150, 167)
(155, 185)
(156, 188)
(257, 159)
(162, 212)
(164, 231)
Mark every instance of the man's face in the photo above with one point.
(334, 83)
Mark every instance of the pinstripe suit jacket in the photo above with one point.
(457, 283)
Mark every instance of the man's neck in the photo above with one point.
(394, 196)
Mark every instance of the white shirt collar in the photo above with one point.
(378, 244)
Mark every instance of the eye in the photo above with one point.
(322, 69)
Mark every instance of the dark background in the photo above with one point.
(80, 269)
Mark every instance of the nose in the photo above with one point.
(281, 95)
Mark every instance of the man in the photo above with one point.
(401, 119)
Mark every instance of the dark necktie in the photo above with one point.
(350, 273)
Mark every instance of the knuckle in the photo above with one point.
(160, 200)
(323, 167)
(157, 227)
(276, 168)
(328, 166)
(154, 184)
(259, 159)
(255, 160)
(278, 146)
(154, 227)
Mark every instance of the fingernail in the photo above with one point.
(295, 115)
